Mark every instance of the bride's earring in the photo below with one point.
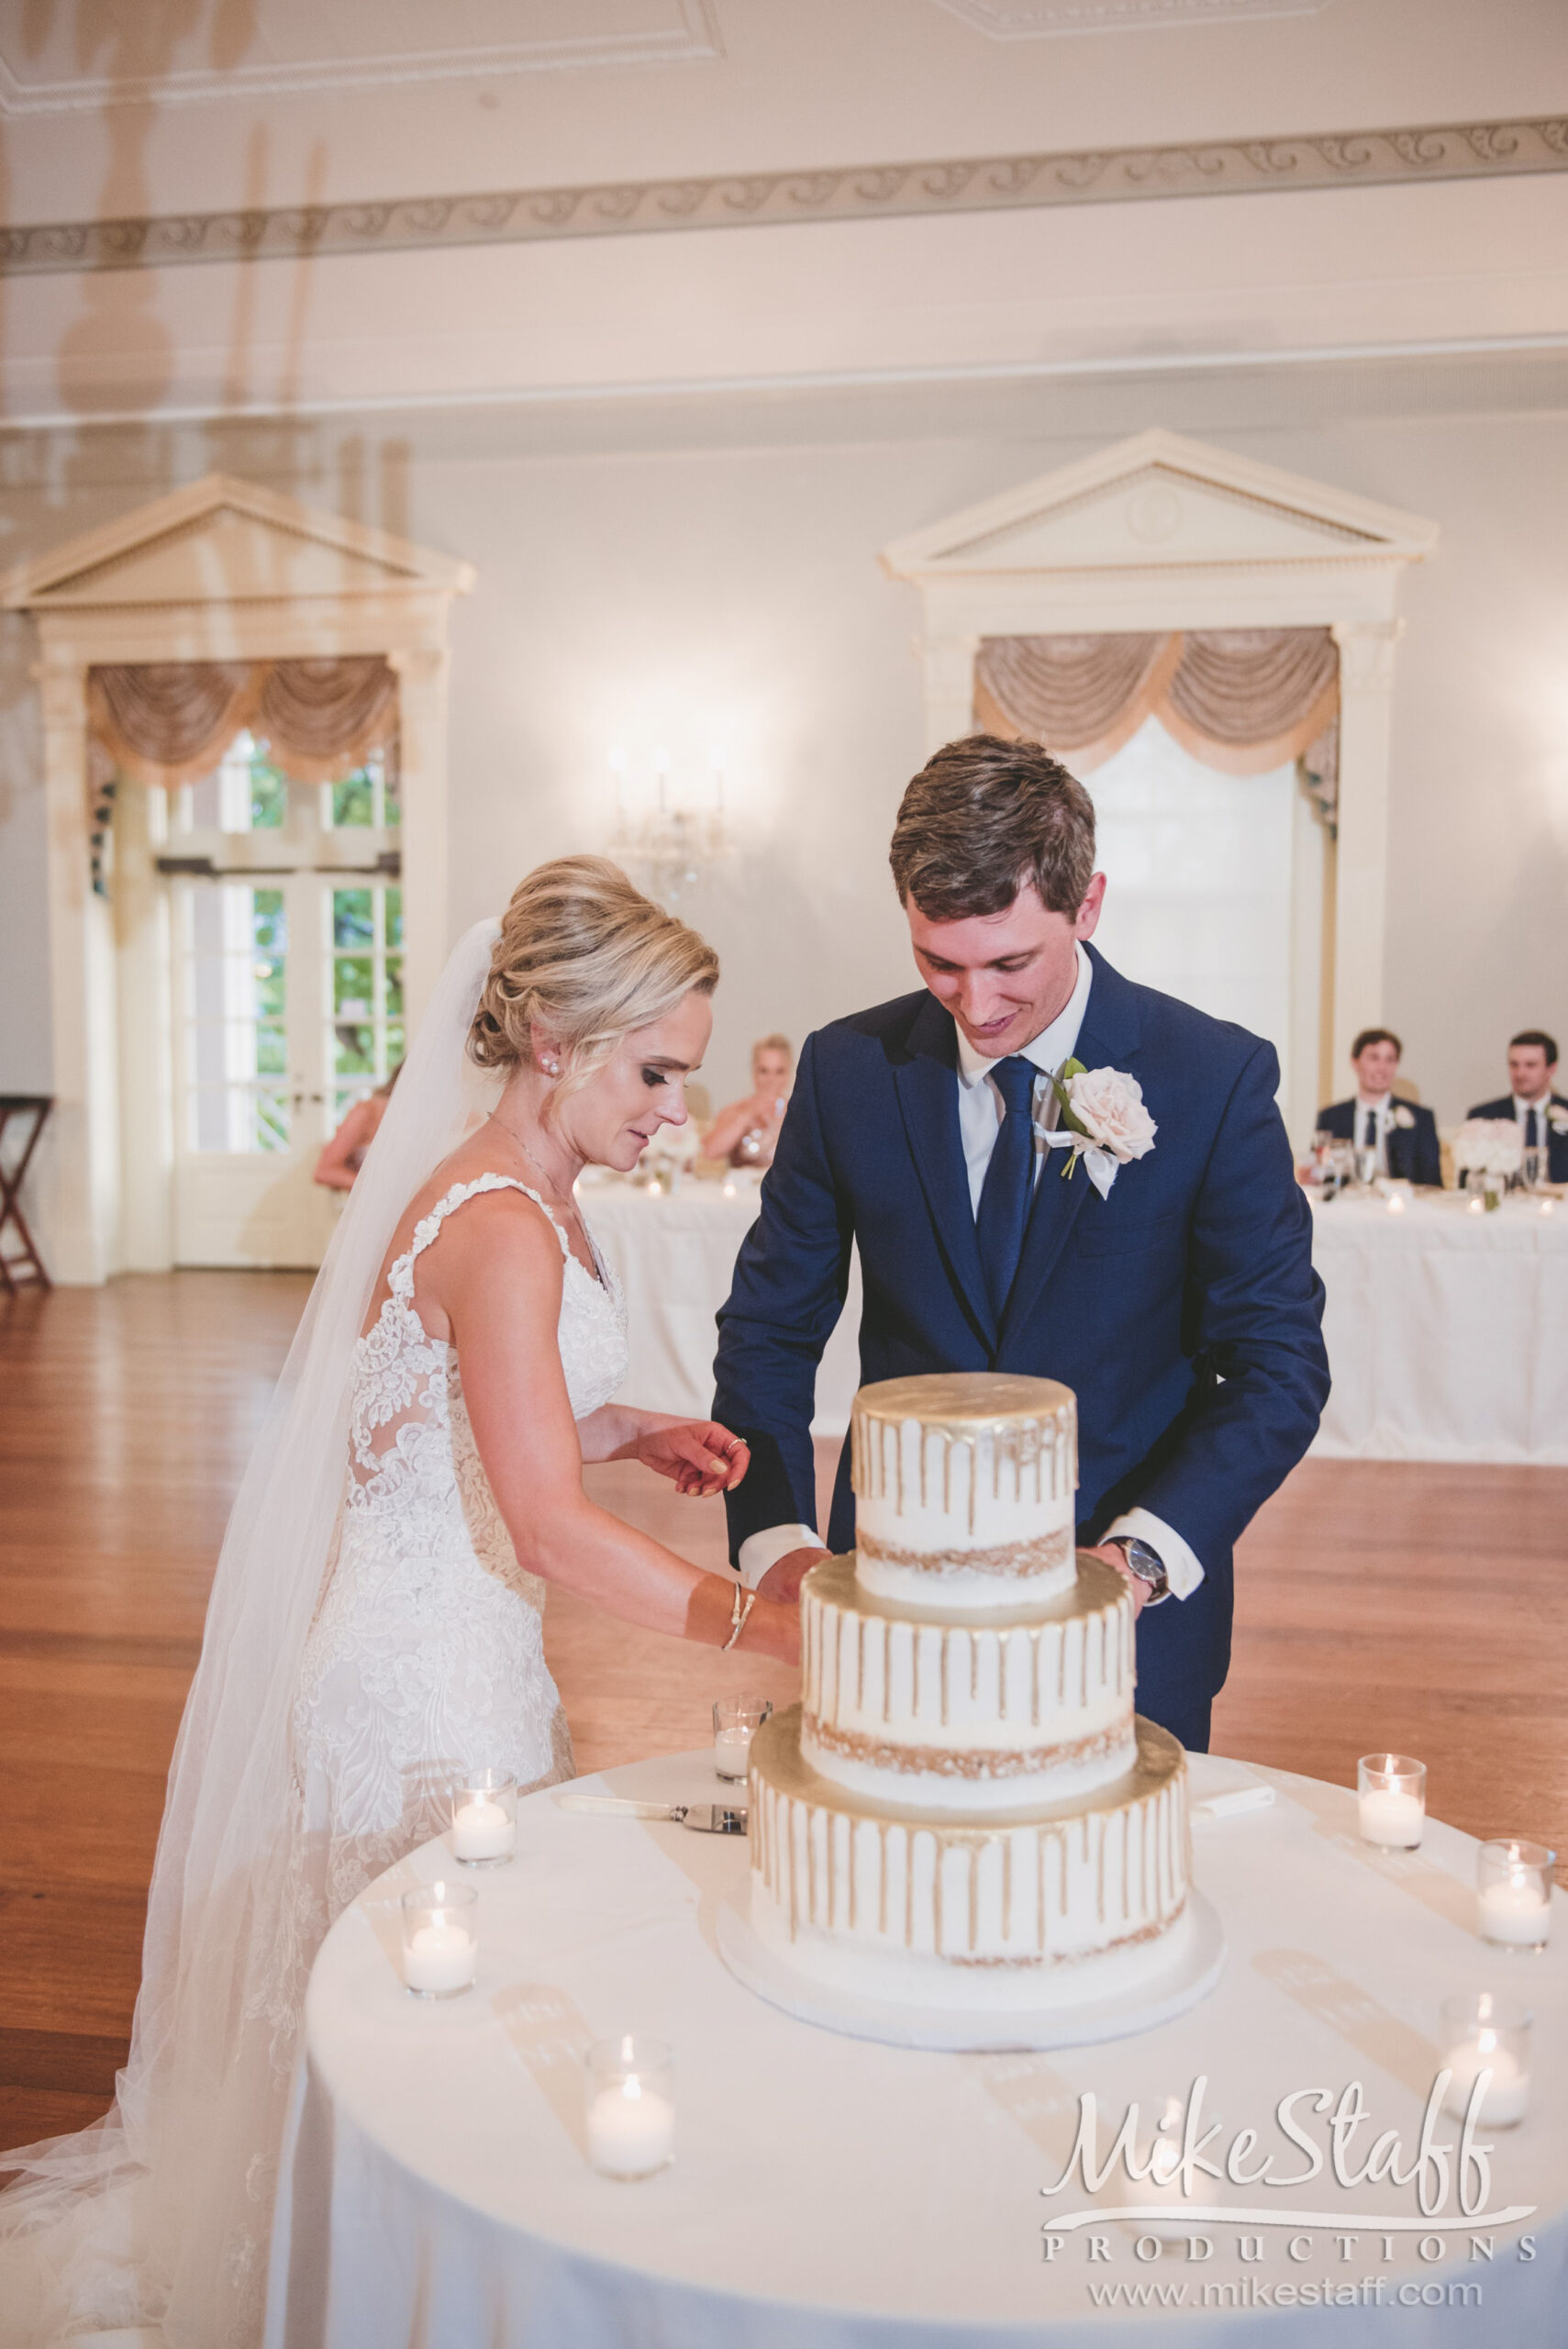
(551, 1068)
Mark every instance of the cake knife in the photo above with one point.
(703, 1817)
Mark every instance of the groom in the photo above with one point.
(1179, 1303)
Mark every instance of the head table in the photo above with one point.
(675, 1252)
(830, 2193)
(1447, 1328)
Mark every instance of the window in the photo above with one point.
(1199, 871)
(367, 990)
(234, 955)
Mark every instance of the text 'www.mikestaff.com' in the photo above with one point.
(1253, 2292)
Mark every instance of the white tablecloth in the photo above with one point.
(675, 1254)
(830, 2193)
(1447, 1330)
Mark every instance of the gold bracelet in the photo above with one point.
(739, 1615)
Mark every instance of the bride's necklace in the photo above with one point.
(560, 1194)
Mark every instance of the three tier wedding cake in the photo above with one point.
(964, 1812)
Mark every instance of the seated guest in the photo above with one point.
(746, 1133)
(344, 1155)
(1403, 1135)
(1542, 1115)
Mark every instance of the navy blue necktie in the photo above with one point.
(1009, 1181)
(1532, 1139)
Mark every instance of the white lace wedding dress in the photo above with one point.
(426, 1657)
(370, 1634)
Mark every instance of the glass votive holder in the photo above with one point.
(1513, 1892)
(1391, 1793)
(736, 1720)
(631, 2106)
(441, 1939)
(1481, 2032)
(484, 1819)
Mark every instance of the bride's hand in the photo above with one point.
(697, 1456)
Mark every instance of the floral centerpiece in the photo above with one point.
(1491, 1148)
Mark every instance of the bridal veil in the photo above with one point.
(159, 2216)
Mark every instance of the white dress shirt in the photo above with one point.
(980, 1114)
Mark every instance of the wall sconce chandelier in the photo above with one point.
(667, 844)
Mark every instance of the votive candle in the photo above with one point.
(440, 1946)
(736, 1720)
(631, 2106)
(1480, 2033)
(1391, 1792)
(1513, 1887)
(484, 1819)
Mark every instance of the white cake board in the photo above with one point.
(1190, 1976)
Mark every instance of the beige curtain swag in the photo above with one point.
(170, 722)
(1241, 699)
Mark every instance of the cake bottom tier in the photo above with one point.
(981, 1913)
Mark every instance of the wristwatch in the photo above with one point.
(1144, 1561)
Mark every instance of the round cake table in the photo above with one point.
(833, 2193)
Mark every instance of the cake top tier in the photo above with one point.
(934, 1443)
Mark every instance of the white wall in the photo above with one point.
(659, 571)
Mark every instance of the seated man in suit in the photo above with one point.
(1403, 1134)
(1542, 1115)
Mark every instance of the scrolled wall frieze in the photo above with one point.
(860, 191)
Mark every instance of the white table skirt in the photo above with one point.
(1447, 1330)
(675, 1255)
(830, 2193)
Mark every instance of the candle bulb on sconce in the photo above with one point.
(667, 842)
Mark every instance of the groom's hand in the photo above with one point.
(1115, 1555)
(784, 1576)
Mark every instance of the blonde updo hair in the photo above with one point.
(586, 955)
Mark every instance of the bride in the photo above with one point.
(374, 1625)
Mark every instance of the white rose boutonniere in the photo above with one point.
(1404, 1119)
(1557, 1119)
(1103, 1121)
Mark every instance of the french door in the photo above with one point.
(287, 1003)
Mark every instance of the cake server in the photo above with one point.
(703, 1817)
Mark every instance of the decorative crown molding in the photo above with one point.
(1040, 19)
(862, 192)
(689, 35)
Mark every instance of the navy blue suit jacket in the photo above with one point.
(1556, 1143)
(1415, 1154)
(1183, 1309)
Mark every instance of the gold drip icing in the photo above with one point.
(946, 1762)
(792, 1804)
(1013, 1560)
(831, 1589)
(1027, 1424)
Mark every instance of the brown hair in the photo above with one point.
(1538, 1036)
(590, 957)
(981, 821)
(1375, 1036)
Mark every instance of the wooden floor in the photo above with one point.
(1379, 1605)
